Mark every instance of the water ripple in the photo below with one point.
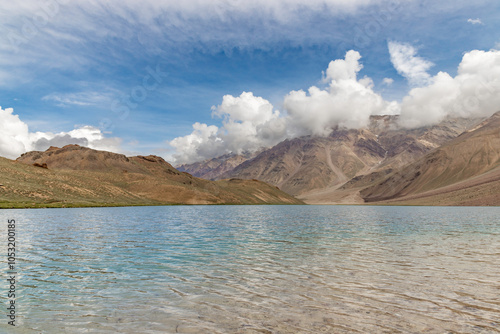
(246, 269)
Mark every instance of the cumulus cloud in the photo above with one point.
(473, 92)
(14, 134)
(408, 64)
(203, 143)
(249, 123)
(15, 137)
(347, 102)
(475, 21)
(344, 69)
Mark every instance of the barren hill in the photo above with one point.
(466, 169)
(313, 168)
(79, 176)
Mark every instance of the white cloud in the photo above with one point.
(148, 8)
(347, 102)
(388, 81)
(14, 134)
(249, 123)
(79, 35)
(475, 21)
(86, 135)
(408, 64)
(473, 92)
(202, 143)
(344, 69)
(15, 137)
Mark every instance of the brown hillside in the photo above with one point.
(480, 190)
(79, 176)
(307, 163)
(459, 162)
(314, 167)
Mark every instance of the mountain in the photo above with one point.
(464, 171)
(212, 169)
(307, 163)
(79, 176)
(456, 162)
(316, 168)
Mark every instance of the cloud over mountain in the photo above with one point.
(347, 101)
(251, 123)
(15, 137)
(473, 92)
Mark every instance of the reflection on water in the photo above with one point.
(265, 269)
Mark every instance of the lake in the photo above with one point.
(255, 269)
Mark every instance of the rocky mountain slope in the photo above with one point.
(212, 169)
(465, 171)
(79, 176)
(315, 168)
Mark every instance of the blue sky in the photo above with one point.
(70, 64)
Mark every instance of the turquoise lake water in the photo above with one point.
(255, 269)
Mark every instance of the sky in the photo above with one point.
(191, 80)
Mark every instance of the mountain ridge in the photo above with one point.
(456, 162)
(312, 167)
(80, 176)
(469, 160)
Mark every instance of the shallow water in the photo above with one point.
(256, 269)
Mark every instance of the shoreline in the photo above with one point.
(80, 206)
